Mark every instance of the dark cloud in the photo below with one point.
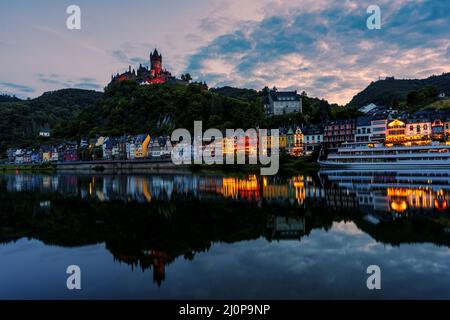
(87, 85)
(60, 81)
(120, 55)
(17, 87)
(325, 80)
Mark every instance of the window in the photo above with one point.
(425, 127)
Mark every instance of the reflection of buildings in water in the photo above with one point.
(337, 198)
(372, 201)
(45, 204)
(242, 189)
(248, 189)
(145, 188)
(284, 228)
(402, 199)
(158, 259)
(275, 192)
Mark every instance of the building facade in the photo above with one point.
(282, 102)
(363, 129)
(312, 139)
(339, 131)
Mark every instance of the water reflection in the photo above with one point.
(149, 221)
(251, 189)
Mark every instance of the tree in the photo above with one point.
(186, 77)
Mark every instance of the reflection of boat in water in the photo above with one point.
(370, 179)
(378, 156)
(397, 191)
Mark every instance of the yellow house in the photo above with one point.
(283, 141)
(396, 131)
(46, 156)
(141, 146)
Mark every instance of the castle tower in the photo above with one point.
(156, 62)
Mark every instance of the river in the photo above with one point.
(206, 236)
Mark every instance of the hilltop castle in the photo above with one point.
(143, 75)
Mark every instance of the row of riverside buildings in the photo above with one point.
(139, 147)
(391, 127)
(100, 148)
(380, 124)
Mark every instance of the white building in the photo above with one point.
(378, 128)
(418, 126)
(282, 102)
(312, 139)
(363, 130)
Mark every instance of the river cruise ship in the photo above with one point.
(365, 156)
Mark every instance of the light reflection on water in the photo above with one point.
(213, 236)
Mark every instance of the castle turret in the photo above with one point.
(156, 62)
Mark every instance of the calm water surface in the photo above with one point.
(215, 236)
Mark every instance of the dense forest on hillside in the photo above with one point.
(7, 98)
(392, 91)
(21, 120)
(129, 108)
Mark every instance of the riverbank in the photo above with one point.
(289, 166)
(47, 167)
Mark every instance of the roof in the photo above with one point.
(368, 108)
(313, 130)
(284, 95)
(341, 121)
(363, 121)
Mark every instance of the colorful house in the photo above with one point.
(396, 131)
(141, 144)
(283, 139)
(312, 139)
(46, 153)
(418, 128)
